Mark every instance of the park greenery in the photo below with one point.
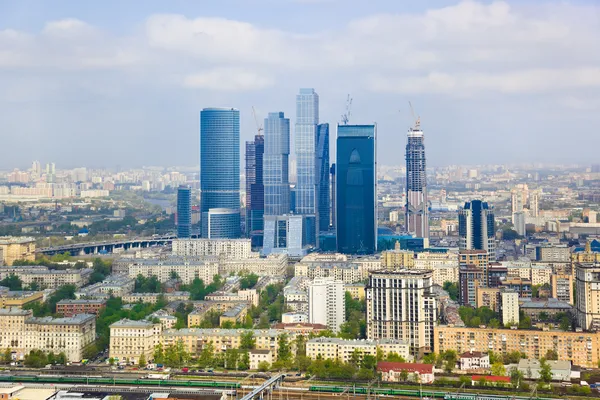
(39, 359)
(48, 308)
(198, 289)
(452, 289)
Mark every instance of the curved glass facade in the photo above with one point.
(220, 162)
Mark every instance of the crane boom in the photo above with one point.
(416, 118)
(346, 115)
(259, 127)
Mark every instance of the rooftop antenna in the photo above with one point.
(346, 115)
(259, 127)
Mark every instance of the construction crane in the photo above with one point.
(346, 115)
(416, 118)
(259, 127)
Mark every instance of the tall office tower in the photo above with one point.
(326, 303)
(519, 222)
(276, 164)
(255, 193)
(284, 234)
(534, 203)
(587, 290)
(401, 305)
(476, 227)
(307, 119)
(333, 195)
(220, 172)
(416, 211)
(323, 176)
(356, 190)
(184, 212)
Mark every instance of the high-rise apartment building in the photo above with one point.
(220, 172)
(417, 208)
(356, 190)
(400, 305)
(307, 119)
(184, 212)
(587, 289)
(323, 206)
(519, 222)
(534, 203)
(276, 164)
(255, 193)
(476, 227)
(509, 306)
(326, 303)
(562, 287)
(470, 279)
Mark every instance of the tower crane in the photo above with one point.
(416, 118)
(346, 115)
(259, 127)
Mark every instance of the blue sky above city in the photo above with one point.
(122, 82)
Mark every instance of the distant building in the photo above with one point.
(220, 172)
(224, 248)
(587, 287)
(474, 360)
(286, 234)
(276, 164)
(16, 248)
(476, 227)
(323, 198)
(392, 372)
(326, 303)
(562, 287)
(417, 206)
(260, 356)
(519, 223)
(342, 349)
(255, 190)
(509, 306)
(184, 212)
(130, 339)
(470, 278)
(356, 190)
(69, 308)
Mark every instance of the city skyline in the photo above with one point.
(115, 90)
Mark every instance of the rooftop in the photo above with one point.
(127, 323)
(357, 342)
(15, 311)
(74, 320)
(387, 366)
(81, 301)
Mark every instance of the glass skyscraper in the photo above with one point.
(184, 212)
(255, 194)
(276, 164)
(356, 189)
(323, 176)
(476, 228)
(307, 119)
(417, 208)
(220, 169)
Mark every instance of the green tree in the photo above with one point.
(450, 358)
(565, 323)
(545, 371)
(248, 281)
(516, 377)
(464, 380)
(498, 369)
(111, 361)
(159, 354)
(404, 375)
(206, 355)
(551, 355)
(429, 358)
(247, 340)
(263, 366)
(7, 356)
(13, 282)
(142, 361)
(452, 289)
(395, 357)
(244, 361)
(284, 352)
(231, 358)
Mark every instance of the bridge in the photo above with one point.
(272, 384)
(80, 249)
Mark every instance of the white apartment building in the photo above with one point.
(341, 349)
(509, 306)
(326, 303)
(224, 248)
(49, 278)
(538, 274)
(294, 318)
(130, 339)
(21, 333)
(272, 265)
(443, 265)
(587, 290)
(401, 306)
(186, 269)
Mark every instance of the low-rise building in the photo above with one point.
(356, 290)
(112, 285)
(16, 248)
(272, 265)
(561, 370)
(130, 339)
(224, 248)
(167, 320)
(235, 315)
(187, 269)
(260, 356)
(533, 308)
(474, 360)
(153, 297)
(68, 307)
(301, 328)
(19, 298)
(393, 371)
(335, 266)
(294, 318)
(48, 278)
(341, 349)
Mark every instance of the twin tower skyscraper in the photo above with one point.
(281, 217)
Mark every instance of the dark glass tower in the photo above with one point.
(184, 212)
(276, 164)
(476, 227)
(255, 194)
(220, 171)
(333, 207)
(356, 189)
(416, 209)
(323, 176)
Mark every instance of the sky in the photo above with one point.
(115, 82)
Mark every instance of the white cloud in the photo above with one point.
(227, 79)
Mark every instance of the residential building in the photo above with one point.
(326, 303)
(307, 119)
(276, 164)
(322, 175)
(582, 348)
(488, 297)
(112, 285)
(553, 253)
(224, 248)
(235, 315)
(470, 278)
(560, 369)
(476, 227)
(184, 212)
(166, 320)
(274, 265)
(587, 288)
(295, 294)
(397, 258)
(260, 356)
(509, 306)
(220, 173)
(392, 372)
(48, 278)
(356, 190)
(401, 305)
(186, 268)
(343, 349)
(519, 285)
(286, 234)
(345, 271)
(21, 332)
(301, 328)
(19, 298)
(153, 297)
(294, 318)
(474, 360)
(519, 222)
(534, 308)
(69, 308)
(16, 248)
(356, 290)
(130, 339)
(255, 190)
(562, 287)
(417, 208)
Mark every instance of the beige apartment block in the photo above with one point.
(16, 248)
(341, 349)
(130, 339)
